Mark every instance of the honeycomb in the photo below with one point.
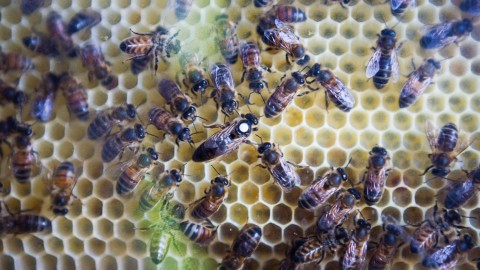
(101, 230)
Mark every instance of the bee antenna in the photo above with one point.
(198, 116)
(348, 163)
(153, 135)
(395, 25)
(194, 127)
(216, 170)
(261, 140)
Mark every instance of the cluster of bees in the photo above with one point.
(325, 195)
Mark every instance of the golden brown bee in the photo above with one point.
(165, 121)
(283, 94)
(445, 145)
(178, 101)
(202, 234)
(252, 67)
(417, 82)
(133, 171)
(443, 34)
(243, 246)
(182, 8)
(208, 205)
(75, 95)
(287, 13)
(10, 94)
(333, 215)
(356, 250)
(63, 182)
(448, 256)
(335, 89)
(227, 38)
(17, 223)
(104, 121)
(162, 190)
(45, 93)
(83, 20)
(157, 43)
(59, 35)
(224, 94)
(42, 44)
(282, 37)
(379, 165)
(283, 171)
(384, 62)
(29, 6)
(14, 61)
(23, 156)
(195, 75)
(398, 7)
(93, 60)
(117, 143)
(387, 247)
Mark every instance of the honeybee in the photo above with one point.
(224, 93)
(118, 142)
(283, 94)
(202, 234)
(104, 121)
(17, 223)
(162, 189)
(139, 64)
(386, 249)
(29, 6)
(282, 37)
(379, 165)
(45, 93)
(75, 95)
(226, 38)
(398, 7)
(448, 256)
(384, 62)
(158, 43)
(165, 121)
(82, 20)
(333, 215)
(133, 171)
(14, 61)
(179, 102)
(23, 156)
(243, 246)
(195, 75)
(335, 89)
(262, 3)
(41, 43)
(283, 171)
(63, 181)
(10, 93)
(356, 250)
(417, 82)
(446, 33)
(93, 60)
(445, 147)
(59, 35)
(460, 192)
(470, 6)
(287, 13)
(227, 140)
(8, 127)
(252, 67)
(322, 189)
(182, 8)
(208, 205)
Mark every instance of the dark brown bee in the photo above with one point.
(208, 205)
(379, 165)
(182, 8)
(195, 75)
(333, 215)
(17, 223)
(335, 89)
(8, 127)
(386, 249)
(14, 61)
(398, 7)
(445, 147)
(162, 190)
(202, 234)
(282, 37)
(133, 171)
(23, 156)
(165, 121)
(117, 143)
(448, 256)
(42, 44)
(287, 13)
(446, 33)
(157, 43)
(83, 20)
(252, 67)
(461, 192)
(227, 140)
(104, 121)
(282, 171)
(63, 182)
(10, 94)
(426, 235)
(59, 35)
(224, 93)
(75, 95)
(470, 6)
(93, 60)
(29, 6)
(43, 102)
(384, 62)
(283, 94)
(417, 82)
(139, 64)
(356, 250)
(243, 246)
(322, 189)
(178, 101)
(226, 38)
(262, 3)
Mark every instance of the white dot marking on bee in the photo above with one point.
(244, 127)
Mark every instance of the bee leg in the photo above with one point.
(426, 170)
(288, 60)
(296, 165)
(266, 68)
(140, 34)
(90, 76)
(261, 165)
(243, 75)
(326, 101)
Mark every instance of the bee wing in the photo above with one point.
(342, 93)
(440, 32)
(462, 144)
(217, 141)
(285, 173)
(115, 170)
(414, 86)
(431, 132)
(395, 66)
(219, 77)
(395, 4)
(373, 65)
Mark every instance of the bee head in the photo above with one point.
(174, 46)
(264, 147)
(185, 135)
(298, 78)
(387, 32)
(256, 86)
(251, 118)
(466, 244)
(463, 27)
(379, 151)
(342, 173)
(176, 175)
(153, 154)
(440, 172)
(140, 131)
(452, 216)
(60, 211)
(230, 106)
(314, 71)
(346, 2)
(31, 42)
(202, 85)
(363, 229)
